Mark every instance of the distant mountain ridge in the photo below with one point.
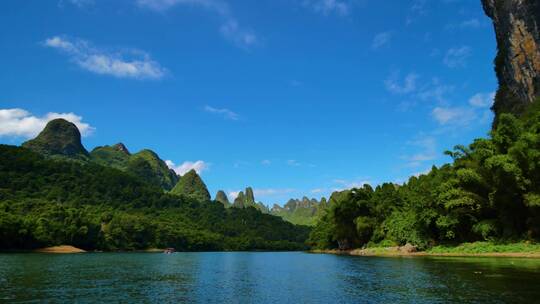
(52, 192)
(145, 164)
(244, 199)
(62, 139)
(303, 211)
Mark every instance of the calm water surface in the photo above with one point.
(264, 278)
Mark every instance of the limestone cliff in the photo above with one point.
(517, 63)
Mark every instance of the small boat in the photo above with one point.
(169, 251)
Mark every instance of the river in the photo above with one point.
(264, 277)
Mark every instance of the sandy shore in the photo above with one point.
(60, 249)
(152, 250)
(392, 252)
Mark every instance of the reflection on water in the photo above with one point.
(265, 278)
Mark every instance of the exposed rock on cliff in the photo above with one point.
(517, 64)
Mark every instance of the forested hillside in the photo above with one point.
(51, 201)
(490, 192)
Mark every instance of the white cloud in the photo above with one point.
(233, 195)
(296, 83)
(226, 113)
(435, 91)
(418, 6)
(429, 91)
(425, 172)
(218, 6)
(266, 162)
(199, 166)
(229, 29)
(293, 163)
(486, 117)
(427, 146)
(408, 85)
(21, 123)
(327, 7)
(272, 191)
(417, 9)
(473, 23)
(381, 39)
(317, 190)
(241, 37)
(457, 57)
(349, 184)
(128, 64)
(78, 3)
(482, 100)
(456, 115)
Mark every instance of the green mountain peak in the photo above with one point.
(59, 138)
(222, 198)
(191, 185)
(121, 148)
(147, 165)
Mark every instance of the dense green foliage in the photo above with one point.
(158, 172)
(490, 192)
(145, 164)
(45, 202)
(191, 185)
(111, 156)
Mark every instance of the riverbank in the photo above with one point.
(60, 249)
(477, 249)
(72, 249)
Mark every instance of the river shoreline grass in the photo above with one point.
(476, 249)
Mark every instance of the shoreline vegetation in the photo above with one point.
(476, 249)
(488, 196)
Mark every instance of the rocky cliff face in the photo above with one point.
(517, 64)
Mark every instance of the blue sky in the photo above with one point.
(290, 97)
